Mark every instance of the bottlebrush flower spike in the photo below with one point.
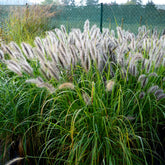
(158, 92)
(153, 88)
(16, 48)
(86, 26)
(14, 66)
(41, 84)
(110, 85)
(63, 30)
(14, 161)
(58, 51)
(141, 95)
(1, 55)
(8, 50)
(133, 70)
(153, 74)
(161, 96)
(38, 43)
(92, 31)
(141, 77)
(87, 98)
(144, 82)
(148, 66)
(67, 85)
(27, 49)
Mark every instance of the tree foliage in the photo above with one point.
(92, 2)
(134, 2)
(114, 3)
(48, 2)
(72, 2)
(65, 2)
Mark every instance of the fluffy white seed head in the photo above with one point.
(110, 85)
(14, 66)
(41, 84)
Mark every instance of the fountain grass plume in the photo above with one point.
(16, 48)
(144, 82)
(1, 55)
(86, 26)
(14, 66)
(27, 50)
(158, 92)
(66, 85)
(110, 85)
(60, 51)
(153, 88)
(142, 95)
(41, 84)
(13, 161)
(87, 98)
(38, 43)
(161, 96)
(63, 29)
(153, 74)
(25, 67)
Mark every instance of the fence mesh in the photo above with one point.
(130, 17)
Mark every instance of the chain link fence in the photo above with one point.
(129, 17)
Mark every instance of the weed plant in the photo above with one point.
(100, 99)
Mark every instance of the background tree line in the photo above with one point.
(92, 2)
(71, 2)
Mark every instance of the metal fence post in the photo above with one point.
(101, 18)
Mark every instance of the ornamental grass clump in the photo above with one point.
(60, 52)
(24, 23)
(104, 96)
